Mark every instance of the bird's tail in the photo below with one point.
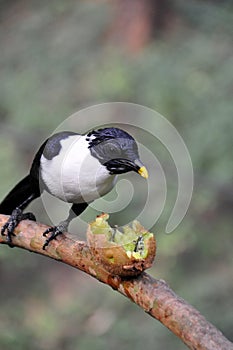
(17, 195)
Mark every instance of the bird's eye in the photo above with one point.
(112, 149)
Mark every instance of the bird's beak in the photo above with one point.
(141, 169)
(122, 165)
(143, 172)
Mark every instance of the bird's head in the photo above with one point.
(116, 150)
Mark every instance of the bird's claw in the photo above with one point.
(15, 218)
(55, 231)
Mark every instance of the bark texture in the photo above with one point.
(154, 296)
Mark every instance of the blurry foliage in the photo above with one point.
(54, 61)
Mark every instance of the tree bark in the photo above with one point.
(154, 296)
(136, 22)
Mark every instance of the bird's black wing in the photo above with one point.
(27, 188)
(17, 196)
(30, 188)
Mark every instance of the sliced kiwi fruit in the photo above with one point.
(126, 251)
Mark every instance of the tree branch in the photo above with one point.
(152, 295)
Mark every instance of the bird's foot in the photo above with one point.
(16, 217)
(55, 231)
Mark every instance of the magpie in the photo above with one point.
(76, 168)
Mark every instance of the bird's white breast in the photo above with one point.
(74, 175)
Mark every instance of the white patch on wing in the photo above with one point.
(74, 175)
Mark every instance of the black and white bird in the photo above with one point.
(74, 168)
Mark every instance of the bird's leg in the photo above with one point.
(62, 227)
(17, 215)
(55, 231)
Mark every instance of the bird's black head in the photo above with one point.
(116, 150)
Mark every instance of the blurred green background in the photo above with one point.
(173, 56)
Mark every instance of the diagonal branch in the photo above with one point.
(152, 295)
